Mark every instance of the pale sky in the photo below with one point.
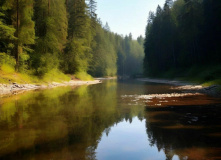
(125, 16)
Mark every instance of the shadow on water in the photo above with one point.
(95, 122)
(186, 131)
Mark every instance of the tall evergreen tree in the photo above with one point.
(182, 35)
(6, 29)
(21, 14)
(51, 30)
(78, 51)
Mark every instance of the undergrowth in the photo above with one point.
(8, 75)
(205, 75)
(83, 76)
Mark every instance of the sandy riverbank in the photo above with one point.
(14, 88)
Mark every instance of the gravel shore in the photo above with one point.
(14, 88)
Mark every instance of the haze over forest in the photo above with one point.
(52, 37)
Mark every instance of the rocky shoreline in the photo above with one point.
(14, 88)
(213, 90)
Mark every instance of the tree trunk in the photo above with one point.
(66, 2)
(49, 5)
(173, 51)
(17, 30)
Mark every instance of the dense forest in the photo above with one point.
(40, 37)
(184, 37)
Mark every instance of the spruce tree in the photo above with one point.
(22, 14)
(78, 51)
(51, 30)
(6, 30)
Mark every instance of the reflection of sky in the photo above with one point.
(127, 142)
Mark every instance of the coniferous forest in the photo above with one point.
(51, 37)
(183, 38)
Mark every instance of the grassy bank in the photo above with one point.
(205, 75)
(8, 75)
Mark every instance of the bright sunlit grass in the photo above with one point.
(84, 76)
(55, 76)
(8, 75)
(7, 69)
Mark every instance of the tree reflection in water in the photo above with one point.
(61, 123)
(191, 132)
(68, 123)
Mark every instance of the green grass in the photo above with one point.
(55, 76)
(205, 75)
(8, 75)
(7, 69)
(83, 76)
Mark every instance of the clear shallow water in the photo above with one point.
(95, 122)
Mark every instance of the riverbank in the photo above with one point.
(212, 90)
(14, 88)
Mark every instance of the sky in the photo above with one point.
(126, 16)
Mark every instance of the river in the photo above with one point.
(109, 121)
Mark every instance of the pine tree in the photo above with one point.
(78, 51)
(20, 14)
(107, 27)
(6, 30)
(51, 30)
(25, 32)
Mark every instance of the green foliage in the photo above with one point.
(7, 59)
(205, 74)
(26, 32)
(78, 51)
(6, 33)
(77, 57)
(47, 63)
(55, 75)
(7, 69)
(130, 56)
(41, 38)
(51, 29)
(23, 61)
(114, 54)
(104, 54)
(83, 76)
(181, 36)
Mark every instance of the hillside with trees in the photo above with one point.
(183, 38)
(50, 38)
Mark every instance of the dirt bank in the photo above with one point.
(14, 88)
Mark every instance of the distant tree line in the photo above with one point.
(183, 34)
(37, 36)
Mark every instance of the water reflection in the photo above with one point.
(187, 132)
(94, 122)
(127, 141)
(61, 123)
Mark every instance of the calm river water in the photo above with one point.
(107, 122)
